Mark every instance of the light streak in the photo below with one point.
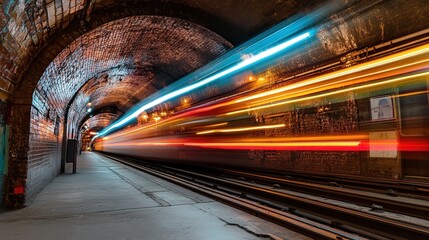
(355, 137)
(330, 93)
(196, 121)
(358, 145)
(247, 62)
(251, 145)
(241, 129)
(338, 84)
(216, 125)
(289, 144)
(365, 66)
(410, 94)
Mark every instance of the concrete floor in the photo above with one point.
(107, 200)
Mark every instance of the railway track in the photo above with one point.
(381, 202)
(287, 209)
(391, 187)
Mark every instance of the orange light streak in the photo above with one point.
(365, 66)
(241, 129)
(342, 145)
(331, 93)
(341, 83)
(356, 137)
(215, 125)
(289, 144)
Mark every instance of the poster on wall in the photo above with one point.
(389, 148)
(381, 108)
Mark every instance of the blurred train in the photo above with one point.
(370, 119)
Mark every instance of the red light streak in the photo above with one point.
(349, 145)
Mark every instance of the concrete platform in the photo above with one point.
(108, 200)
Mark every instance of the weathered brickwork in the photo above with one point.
(315, 118)
(44, 151)
(335, 38)
(106, 51)
(28, 26)
(352, 29)
(101, 120)
(18, 152)
(377, 166)
(122, 58)
(111, 58)
(94, 124)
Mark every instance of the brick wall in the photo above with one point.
(92, 57)
(315, 118)
(101, 120)
(44, 155)
(28, 26)
(26, 57)
(18, 153)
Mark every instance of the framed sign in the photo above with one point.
(381, 108)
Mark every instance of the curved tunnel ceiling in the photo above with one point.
(38, 30)
(124, 61)
(100, 121)
(34, 33)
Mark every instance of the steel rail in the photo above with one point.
(371, 223)
(417, 189)
(354, 196)
(378, 225)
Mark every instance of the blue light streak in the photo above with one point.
(232, 61)
(245, 63)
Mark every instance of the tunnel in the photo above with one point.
(72, 68)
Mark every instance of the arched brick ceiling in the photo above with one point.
(100, 121)
(29, 26)
(34, 33)
(124, 61)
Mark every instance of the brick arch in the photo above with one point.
(117, 58)
(37, 31)
(100, 121)
(95, 123)
(129, 59)
(91, 120)
(394, 22)
(78, 27)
